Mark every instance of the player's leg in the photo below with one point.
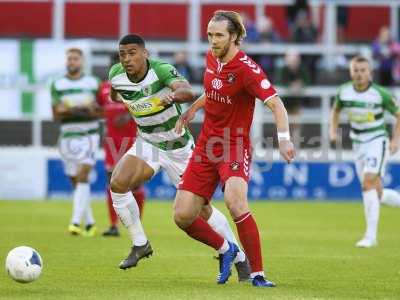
(175, 163)
(217, 220)
(140, 196)
(234, 173)
(370, 193)
(130, 172)
(113, 230)
(78, 206)
(374, 162)
(187, 208)
(235, 197)
(74, 226)
(195, 190)
(85, 167)
(82, 195)
(390, 197)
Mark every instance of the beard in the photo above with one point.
(73, 70)
(221, 53)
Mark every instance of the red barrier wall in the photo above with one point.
(159, 21)
(26, 19)
(100, 20)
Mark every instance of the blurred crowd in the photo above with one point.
(294, 71)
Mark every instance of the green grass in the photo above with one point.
(308, 251)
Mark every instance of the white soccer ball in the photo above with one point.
(24, 264)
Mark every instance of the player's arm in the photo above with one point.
(189, 115)
(100, 100)
(115, 96)
(334, 123)
(334, 118)
(181, 90)
(60, 111)
(391, 105)
(395, 141)
(94, 110)
(286, 147)
(257, 85)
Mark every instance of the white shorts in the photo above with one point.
(78, 150)
(174, 162)
(372, 156)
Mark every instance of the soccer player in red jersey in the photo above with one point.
(120, 135)
(232, 82)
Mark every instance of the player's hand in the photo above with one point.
(333, 138)
(79, 111)
(183, 120)
(393, 147)
(286, 149)
(167, 99)
(122, 120)
(94, 110)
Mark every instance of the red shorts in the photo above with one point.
(115, 151)
(204, 171)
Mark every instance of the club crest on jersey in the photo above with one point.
(216, 83)
(370, 105)
(235, 166)
(231, 78)
(174, 72)
(146, 90)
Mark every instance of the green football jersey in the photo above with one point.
(74, 92)
(366, 110)
(155, 122)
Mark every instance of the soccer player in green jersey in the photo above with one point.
(152, 90)
(365, 103)
(74, 105)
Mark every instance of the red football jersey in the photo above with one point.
(231, 89)
(115, 135)
(112, 110)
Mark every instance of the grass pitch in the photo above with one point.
(308, 251)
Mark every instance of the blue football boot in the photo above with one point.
(260, 281)
(226, 263)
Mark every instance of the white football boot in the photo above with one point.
(367, 243)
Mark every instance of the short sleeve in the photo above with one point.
(168, 74)
(389, 102)
(103, 93)
(338, 102)
(55, 95)
(257, 83)
(115, 70)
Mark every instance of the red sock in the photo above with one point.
(250, 239)
(111, 211)
(140, 197)
(201, 231)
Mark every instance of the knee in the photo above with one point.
(237, 210)
(119, 185)
(83, 175)
(370, 183)
(183, 218)
(236, 205)
(206, 212)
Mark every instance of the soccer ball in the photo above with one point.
(24, 264)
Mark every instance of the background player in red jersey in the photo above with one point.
(120, 135)
(232, 82)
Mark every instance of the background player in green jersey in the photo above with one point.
(151, 90)
(365, 103)
(74, 105)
